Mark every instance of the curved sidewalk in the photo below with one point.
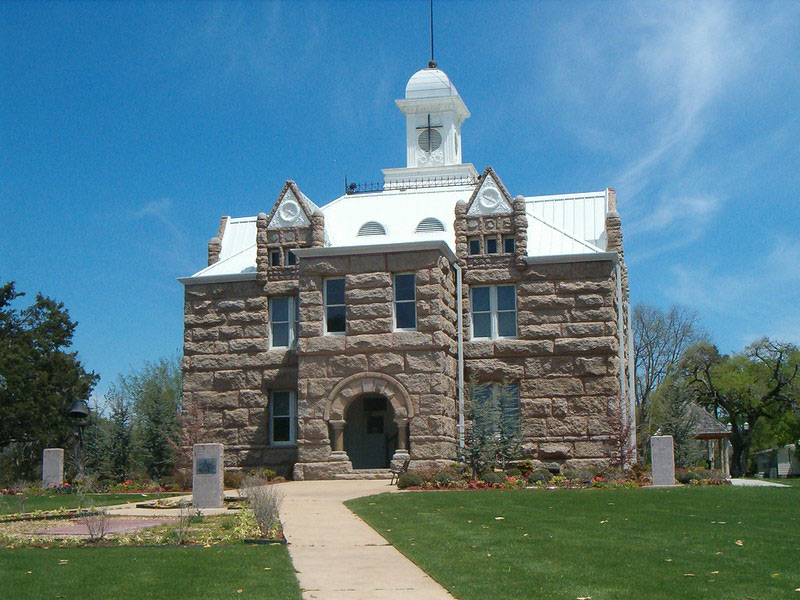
(337, 555)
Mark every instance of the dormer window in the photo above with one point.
(372, 228)
(428, 225)
(508, 245)
(275, 258)
(491, 245)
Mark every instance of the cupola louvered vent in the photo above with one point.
(428, 225)
(372, 228)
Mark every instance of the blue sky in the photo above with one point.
(128, 129)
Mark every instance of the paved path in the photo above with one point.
(337, 555)
(756, 483)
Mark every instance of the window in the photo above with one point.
(405, 305)
(475, 246)
(508, 245)
(283, 322)
(494, 311)
(282, 418)
(491, 245)
(275, 258)
(496, 410)
(291, 258)
(335, 320)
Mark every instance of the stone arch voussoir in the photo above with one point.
(350, 388)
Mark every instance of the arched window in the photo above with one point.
(372, 228)
(428, 225)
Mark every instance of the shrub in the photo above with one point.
(492, 477)
(444, 479)
(265, 502)
(514, 472)
(263, 473)
(685, 476)
(540, 475)
(409, 479)
(233, 479)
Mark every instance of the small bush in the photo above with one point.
(493, 477)
(409, 479)
(265, 502)
(233, 479)
(685, 476)
(540, 475)
(444, 479)
(514, 472)
(263, 473)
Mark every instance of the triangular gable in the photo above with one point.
(490, 196)
(292, 209)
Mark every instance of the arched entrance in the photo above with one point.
(368, 414)
(370, 433)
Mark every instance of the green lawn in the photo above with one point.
(11, 504)
(174, 573)
(604, 544)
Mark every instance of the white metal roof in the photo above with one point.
(567, 224)
(430, 83)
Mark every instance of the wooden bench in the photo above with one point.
(398, 470)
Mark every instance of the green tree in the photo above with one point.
(672, 414)
(120, 439)
(492, 434)
(39, 379)
(759, 383)
(154, 394)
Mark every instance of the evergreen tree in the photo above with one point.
(120, 442)
(39, 381)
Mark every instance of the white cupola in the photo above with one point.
(434, 112)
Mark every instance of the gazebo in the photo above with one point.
(707, 427)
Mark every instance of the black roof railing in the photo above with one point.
(410, 183)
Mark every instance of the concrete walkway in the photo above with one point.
(337, 555)
(756, 483)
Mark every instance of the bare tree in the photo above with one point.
(660, 338)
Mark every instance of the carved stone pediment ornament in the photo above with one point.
(490, 200)
(289, 213)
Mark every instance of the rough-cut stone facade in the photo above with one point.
(565, 358)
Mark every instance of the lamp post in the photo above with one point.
(79, 412)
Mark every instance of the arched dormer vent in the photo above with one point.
(428, 225)
(372, 228)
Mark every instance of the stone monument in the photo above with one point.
(207, 475)
(663, 457)
(52, 467)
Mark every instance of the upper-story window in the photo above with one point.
(494, 311)
(508, 244)
(291, 257)
(474, 246)
(491, 245)
(283, 322)
(405, 301)
(372, 228)
(275, 258)
(283, 418)
(335, 319)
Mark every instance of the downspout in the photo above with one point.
(631, 380)
(621, 339)
(460, 356)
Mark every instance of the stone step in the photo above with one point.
(365, 474)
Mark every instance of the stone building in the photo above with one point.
(331, 340)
